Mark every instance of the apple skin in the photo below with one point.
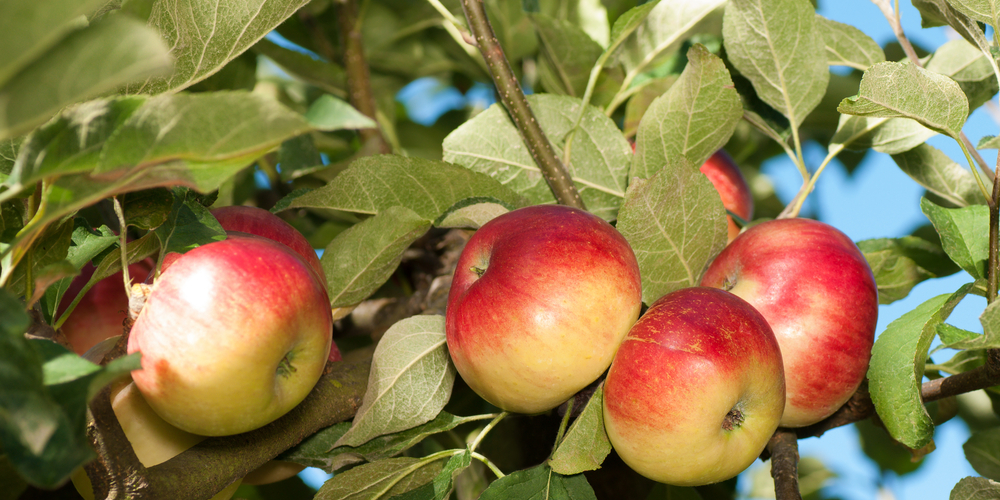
(233, 335)
(540, 300)
(102, 310)
(153, 440)
(818, 294)
(694, 358)
(260, 222)
(732, 187)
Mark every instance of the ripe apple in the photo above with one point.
(153, 439)
(233, 335)
(818, 294)
(260, 222)
(102, 310)
(732, 187)
(696, 389)
(540, 300)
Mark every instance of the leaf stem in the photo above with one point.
(122, 243)
(486, 430)
(976, 174)
(496, 470)
(555, 172)
(793, 208)
(563, 424)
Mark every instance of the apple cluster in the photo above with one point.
(233, 335)
(546, 299)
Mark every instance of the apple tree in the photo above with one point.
(123, 122)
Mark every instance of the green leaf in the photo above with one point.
(989, 142)
(663, 30)
(327, 76)
(374, 183)
(586, 444)
(897, 368)
(983, 451)
(964, 234)
(966, 64)
(472, 213)
(87, 63)
(147, 209)
(628, 22)
(847, 45)
(885, 451)
(51, 247)
(410, 381)
(491, 144)
(28, 29)
(693, 119)
(378, 480)
(935, 171)
(188, 226)
(330, 113)
(893, 90)
(676, 225)
(940, 12)
(644, 95)
(443, 484)
(539, 483)
(205, 37)
(568, 54)
(899, 264)
(773, 43)
(984, 11)
(955, 338)
(975, 488)
(359, 260)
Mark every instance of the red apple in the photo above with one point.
(233, 335)
(732, 187)
(818, 294)
(696, 389)
(540, 300)
(102, 310)
(260, 222)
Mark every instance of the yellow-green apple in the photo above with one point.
(696, 389)
(540, 300)
(818, 294)
(260, 222)
(101, 311)
(233, 335)
(732, 187)
(153, 439)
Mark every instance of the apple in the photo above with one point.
(732, 187)
(818, 294)
(696, 389)
(540, 300)
(260, 222)
(153, 440)
(233, 335)
(102, 310)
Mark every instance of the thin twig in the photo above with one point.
(556, 174)
(784, 449)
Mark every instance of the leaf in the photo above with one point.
(359, 260)
(205, 36)
(410, 381)
(940, 12)
(963, 234)
(600, 155)
(773, 43)
(51, 247)
(382, 479)
(955, 338)
(886, 452)
(147, 209)
(374, 183)
(330, 113)
(693, 119)
(676, 225)
(188, 226)
(847, 45)
(975, 488)
(586, 444)
(966, 64)
(87, 63)
(644, 95)
(899, 264)
(989, 142)
(443, 484)
(935, 171)
(539, 483)
(568, 54)
(325, 75)
(897, 368)
(984, 11)
(472, 213)
(892, 90)
(628, 22)
(28, 29)
(982, 449)
(663, 30)
(885, 135)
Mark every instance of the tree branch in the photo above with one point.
(784, 448)
(512, 97)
